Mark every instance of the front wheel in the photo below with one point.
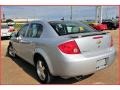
(43, 72)
(11, 51)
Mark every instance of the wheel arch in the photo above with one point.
(10, 44)
(41, 53)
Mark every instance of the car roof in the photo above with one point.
(55, 21)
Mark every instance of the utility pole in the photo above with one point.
(98, 14)
(3, 16)
(106, 13)
(70, 12)
(96, 17)
(101, 14)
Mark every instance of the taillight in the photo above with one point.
(11, 30)
(69, 47)
(111, 43)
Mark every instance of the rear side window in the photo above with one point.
(65, 28)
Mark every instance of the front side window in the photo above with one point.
(35, 30)
(23, 30)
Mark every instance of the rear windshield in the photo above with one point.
(4, 26)
(65, 28)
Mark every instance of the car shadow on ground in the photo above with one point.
(29, 69)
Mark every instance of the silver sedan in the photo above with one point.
(62, 48)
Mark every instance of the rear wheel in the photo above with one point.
(43, 72)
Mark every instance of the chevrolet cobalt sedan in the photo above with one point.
(62, 48)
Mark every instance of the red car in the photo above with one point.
(98, 26)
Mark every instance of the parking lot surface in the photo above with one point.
(16, 71)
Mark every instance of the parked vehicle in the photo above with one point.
(11, 27)
(110, 24)
(6, 31)
(62, 48)
(98, 26)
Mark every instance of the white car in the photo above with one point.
(6, 31)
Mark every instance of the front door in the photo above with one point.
(18, 42)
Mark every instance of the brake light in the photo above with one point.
(111, 43)
(69, 47)
(11, 30)
(97, 37)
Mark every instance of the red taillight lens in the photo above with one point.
(111, 43)
(11, 30)
(69, 47)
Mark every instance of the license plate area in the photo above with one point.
(4, 34)
(100, 64)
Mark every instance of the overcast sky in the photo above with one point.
(57, 12)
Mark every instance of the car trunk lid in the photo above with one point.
(5, 30)
(92, 41)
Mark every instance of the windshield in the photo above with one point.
(70, 27)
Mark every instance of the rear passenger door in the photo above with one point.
(32, 39)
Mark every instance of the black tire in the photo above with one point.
(48, 77)
(11, 51)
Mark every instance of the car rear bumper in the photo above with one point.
(6, 34)
(77, 65)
